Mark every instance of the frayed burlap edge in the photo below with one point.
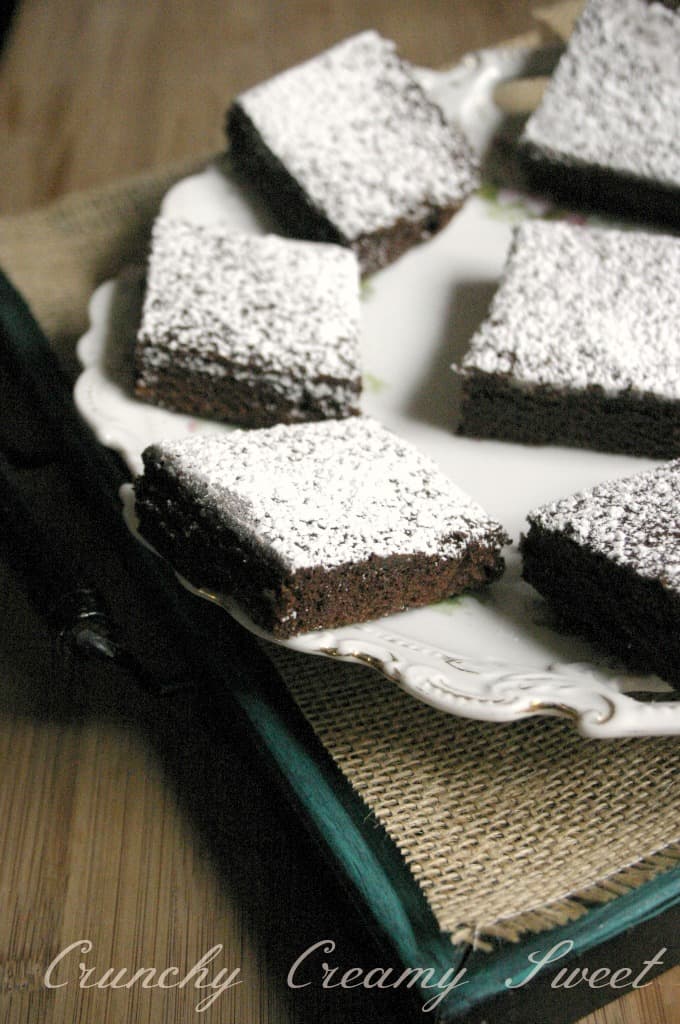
(571, 907)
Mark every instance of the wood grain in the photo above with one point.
(124, 824)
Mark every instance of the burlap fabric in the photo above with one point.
(507, 829)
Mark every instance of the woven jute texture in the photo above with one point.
(507, 829)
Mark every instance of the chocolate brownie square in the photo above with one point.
(582, 343)
(314, 525)
(249, 329)
(606, 132)
(348, 148)
(608, 560)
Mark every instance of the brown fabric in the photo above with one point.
(507, 829)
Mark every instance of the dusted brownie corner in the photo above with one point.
(348, 148)
(605, 134)
(248, 329)
(608, 560)
(314, 525)
(581, 345)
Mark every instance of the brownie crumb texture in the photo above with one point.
(581, 344)
(608, 559)
(315, 525)
(248, 329)
(347, 147)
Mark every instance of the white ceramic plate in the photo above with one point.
(493, 656)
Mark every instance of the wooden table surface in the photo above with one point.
(123, 828)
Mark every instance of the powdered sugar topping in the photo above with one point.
(220, 302)
(614, 99)
(356, 131)
(634, 521)
(581, 307)
(330, 493)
